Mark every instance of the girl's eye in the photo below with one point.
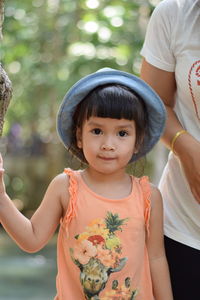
(122, 133)
(96, 131)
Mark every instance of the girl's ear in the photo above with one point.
(138, 144)
(136, 148)
(79, 138)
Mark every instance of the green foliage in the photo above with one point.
(50, 44)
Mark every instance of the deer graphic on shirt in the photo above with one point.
(94, 276)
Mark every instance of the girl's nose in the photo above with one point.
(108, 147)
(108, 143)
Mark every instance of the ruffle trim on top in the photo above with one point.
(146, 189)
(72, 206)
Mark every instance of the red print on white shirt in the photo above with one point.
(194, 86)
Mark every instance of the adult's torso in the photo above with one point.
(178, 50)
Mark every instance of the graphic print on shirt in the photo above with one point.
(194, 86)
(98, 253)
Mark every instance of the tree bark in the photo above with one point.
(5, 83)
(1, 18)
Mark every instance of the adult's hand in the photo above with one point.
(189, 156)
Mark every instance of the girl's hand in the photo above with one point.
(2, 185)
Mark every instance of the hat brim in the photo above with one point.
(154, 105)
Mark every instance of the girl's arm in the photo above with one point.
(186, 147)
(31, 235)
(155, 245)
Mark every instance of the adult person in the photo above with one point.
(171, 65)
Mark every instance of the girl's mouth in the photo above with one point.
(106, 158)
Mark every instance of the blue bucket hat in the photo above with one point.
(155, 107)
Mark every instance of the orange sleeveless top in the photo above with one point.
(101, 246)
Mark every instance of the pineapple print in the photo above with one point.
(98, 253)
(114, 223)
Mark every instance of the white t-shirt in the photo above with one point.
(172, 43)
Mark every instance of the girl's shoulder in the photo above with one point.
(152, 200)
(150, 191)
(144, 183)
(60, 186)
(156, 198)
(62, 179)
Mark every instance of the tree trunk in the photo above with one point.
(5, 83)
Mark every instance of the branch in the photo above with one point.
(5, 83)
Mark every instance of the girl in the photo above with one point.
(110, 242)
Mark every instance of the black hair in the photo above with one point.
(113, 101)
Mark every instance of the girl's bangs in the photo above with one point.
(111, 107)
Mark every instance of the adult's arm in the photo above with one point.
(186, 147)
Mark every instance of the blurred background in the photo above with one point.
(47, 46)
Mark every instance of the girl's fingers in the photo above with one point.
(2, 186)
(2, 170)
(1, 164)
(1, 161)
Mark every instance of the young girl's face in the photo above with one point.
(108, 144)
